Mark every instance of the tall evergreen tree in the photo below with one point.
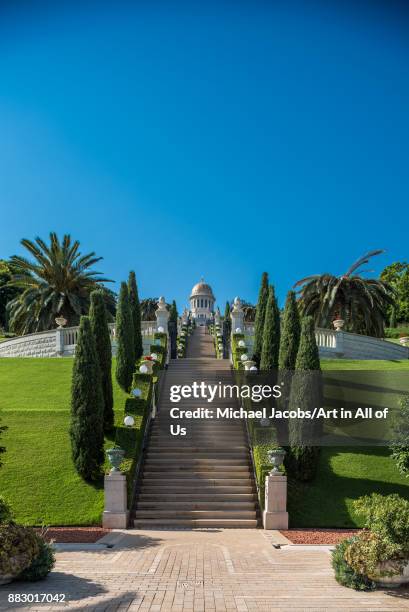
(271, 334)
(290, 337)
(136, 314)
(99, 325)
(260, 316)
(306, 394)
(125, 355)
(87, 406)
(173, 312)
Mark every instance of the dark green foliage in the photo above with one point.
(148, 309)
(5, 511)
(99, 325)
(400, 437)
(87, 406)
(259, 320)
(344, 574)
(271, 333)
(173, 313)
(42, 564)
(397, 275)
(7, 293)
(136, 314)
(57, 281)
(392, 319)
(2, 449)
(290, 336)
(306, 394)
(125, 356)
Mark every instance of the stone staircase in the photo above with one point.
(202, 479)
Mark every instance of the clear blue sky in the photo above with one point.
(207, 138)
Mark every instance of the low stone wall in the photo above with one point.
(344, 345)
(42, 344)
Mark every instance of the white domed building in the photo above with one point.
(202, 302)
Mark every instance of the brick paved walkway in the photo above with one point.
(216, 570)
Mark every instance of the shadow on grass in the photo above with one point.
(323, 502)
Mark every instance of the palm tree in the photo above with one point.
(57, 282)
(361, 302)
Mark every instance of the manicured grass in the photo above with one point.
(38, 477)
(360, 364)
(344, 474)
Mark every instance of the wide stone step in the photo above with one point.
(218, 498)
(208, 450)
(196, 459)
(196, 514)
(197, 472)
(190, 488)
(183, 505)
(233, 523)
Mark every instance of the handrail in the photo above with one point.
(137, 474)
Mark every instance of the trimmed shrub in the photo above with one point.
(271, 334)
(400, 437)
(125, 356)
(99, 325)
(260, 316)
(344, 574)
(6, 514)
(18, 547)
(87, 406)
(135, 307)
(290, 336)
(306, 394)
(42, 564)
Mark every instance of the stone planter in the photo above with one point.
(6, 578)
(391, 581)
(115, 457)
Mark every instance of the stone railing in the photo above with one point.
(340, 344)
(61, 342)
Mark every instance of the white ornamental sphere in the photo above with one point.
(253, 369)
(238, 330)
(137, 392)
(242, 344)
(244, 357)
(160, 329)
(154, 356)
(143, 369)
(129, 421)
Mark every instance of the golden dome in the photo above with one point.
(202, 289)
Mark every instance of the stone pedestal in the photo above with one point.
(162, 315)
(237, 316)
(116, 513)
(275, 515)
(59, 341)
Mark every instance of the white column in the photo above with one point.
(116, 513)
(275, 515)
(59, 341)
(237, 316)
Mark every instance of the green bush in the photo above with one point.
(387, 516)
(5, 511)
(400, 437)
(18, 547)
(42, 564)
(396, 332)
(368, 550)
(344, 574)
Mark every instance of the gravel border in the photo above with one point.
(318, 536)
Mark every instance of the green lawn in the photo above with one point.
(38, 477)
(346, 473)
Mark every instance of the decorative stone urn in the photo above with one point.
(61, 321)
(248, 364)
(242, 344)
(404, 340)
(396, 579)
(162, 315)
(276, 457)
(338, 324)
(115, 457)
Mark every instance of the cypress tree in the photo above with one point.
(306, 394)
(173, 313)
(259, 320)
(290, 337)
(87, 406)
(136, 314)
(100, 329)
(271, 333)
(125, 356)
(392, 320)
